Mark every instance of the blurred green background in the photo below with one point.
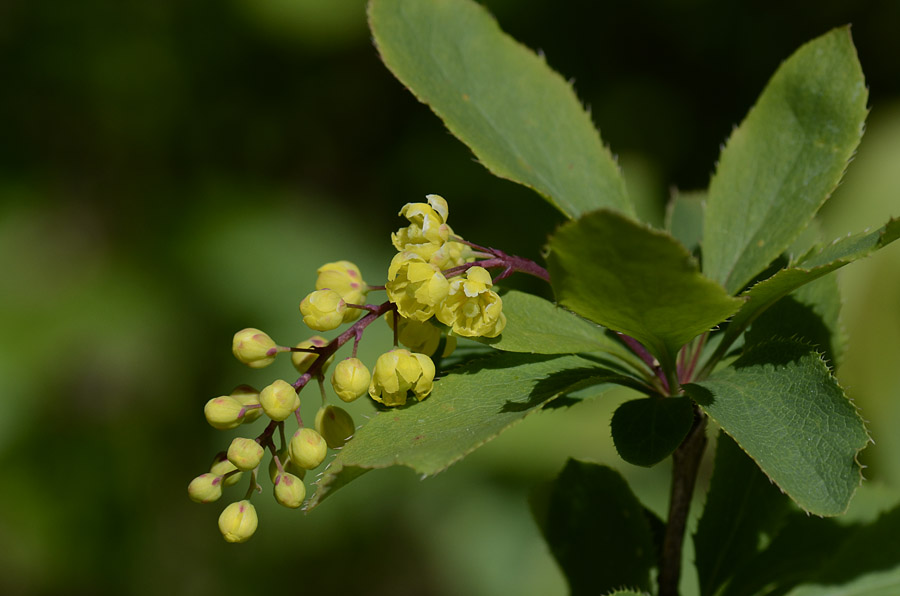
(173, 171)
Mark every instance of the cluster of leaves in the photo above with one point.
(723, 315)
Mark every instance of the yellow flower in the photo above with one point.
(350, 379)
(415, 286)
(245, 454)
(223, 412)
(335, 425)
(397, 372)
(323, 310)
(427, 229)
(451, 254)
(247, 396)
(471, 308)
(418, 336)
(238, 521)
(221, 466)
(344, 278)
(303, 360)
(308, 448)
(289, 490)
(205, 488)
(278, 400)
(251, 346)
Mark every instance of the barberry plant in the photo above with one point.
(724, 321)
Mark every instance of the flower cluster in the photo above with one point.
(437, 289)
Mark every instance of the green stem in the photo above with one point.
(686, 463)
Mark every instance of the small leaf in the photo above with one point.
(741, 506)
(467, 408)
(646, 431)
(596, 529)
(684, 218)
(636, 280)
(784, 160)
(812, 267)
(537, 326)
(783, 407)
(520, 118)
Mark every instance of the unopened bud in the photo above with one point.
(223, 412)
(279, 400)
(248, 397)
(335, 425)
(221, 467)
(308, 449)
(289, 490)
(323, 310)
(238, 521)
(245, 454)
(251, 346)
(205, 488)
(287, 466)
(350, 379)
(303, 360)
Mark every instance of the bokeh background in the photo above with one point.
(174, 170)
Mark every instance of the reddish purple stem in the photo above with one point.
(642, 353)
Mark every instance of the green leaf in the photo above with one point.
(646, 431)
(810, 314)
(884, 583)
(684, 218)
(784, 160)
(633, 279)
(742, 505)
(520, 118)
(466, 409)
(812, 556)
(538, 326)
(766, 293)
(596, 529)
(793, 556)
(783, 407)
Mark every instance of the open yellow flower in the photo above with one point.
(397, 373)
(415, 286)
(471, 308)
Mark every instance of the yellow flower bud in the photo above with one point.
(221, 467)
(251, 346)
(245, 454)
(418, 336)
(247, 396)
(238, 521)
(335, 425)
(205, 488)
(323, 310)
(303, 360)
(223, 412)
(350, 379)
(284, 456)
(344, 278)
(279, 400)
(415, 286)
(396, 373)
(471, 308)
(308, 449)
(289, 490)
